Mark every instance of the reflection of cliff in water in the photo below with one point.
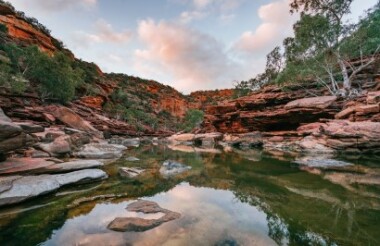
(302, 205)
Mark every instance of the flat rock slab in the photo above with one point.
(44, 166)
(134, 224)
(26, 187)
(23, 165)
(72, 166)
(101, 151)
(312, 102)
(171, 168)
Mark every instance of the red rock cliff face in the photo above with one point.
(23, 32)
(202, 99)
(272, 109)
(168, 99)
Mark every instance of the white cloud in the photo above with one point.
(223, 5)
(104, 32)
(189, 16)
(193, 59)
(55, 5)
(276, 25)
(202, 3)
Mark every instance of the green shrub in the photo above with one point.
(193, 119)
(55, 75)
(3, 28)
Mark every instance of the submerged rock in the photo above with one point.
(171, 168)
(321, 163)
(24, 188)
(136, 224)
(130, 172)
(132, 159)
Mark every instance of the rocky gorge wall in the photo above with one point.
(161, 103)
(293, 118)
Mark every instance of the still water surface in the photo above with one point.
(227, 198)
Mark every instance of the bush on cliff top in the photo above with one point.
(55, 77)
(325, 49)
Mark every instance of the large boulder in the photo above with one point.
(341, 135)
(71, 119)
(8, 130)
(59, 147)
(16, 189)
(16, 142)
(12, 136)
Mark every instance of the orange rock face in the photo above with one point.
(268, 110)
(202, 99)
(23, 32)
(93, 102)
(176, 106)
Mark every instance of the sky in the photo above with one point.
(187, 44)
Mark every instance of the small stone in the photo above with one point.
(138, 224)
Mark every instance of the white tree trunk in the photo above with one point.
(346, 78)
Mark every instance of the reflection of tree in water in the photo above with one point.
(281, 232)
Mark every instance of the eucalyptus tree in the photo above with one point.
(324, 44)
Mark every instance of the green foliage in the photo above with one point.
(54, 76)
(366, 39)
(193, 119)
(91, 74)
(324, 45)
(3, 28)
(322, 48)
